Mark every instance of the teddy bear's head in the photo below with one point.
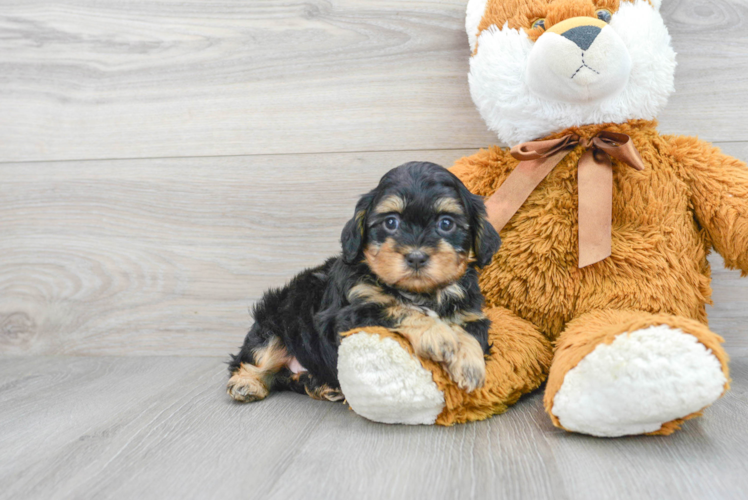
(540, 66)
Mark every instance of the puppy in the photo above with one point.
(409, 263)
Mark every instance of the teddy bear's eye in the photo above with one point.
(539, 23)
(604, 15)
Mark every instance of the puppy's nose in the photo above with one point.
(416, 259)
(583, 36)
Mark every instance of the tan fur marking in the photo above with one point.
(460, 318)
(325, 393)
(468, 367)
(446, 264)
(251, 381)
(247, 385)
(430, 337)
(271, 357)
(444, 267)
(459, 352)
(390, 204)
(368, 293)
(386, 262)
(448, 205)
(454, 291)
(361, 222)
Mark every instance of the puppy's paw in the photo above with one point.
(245, 388)
(468, 368)
(326, 393)
(438, 342)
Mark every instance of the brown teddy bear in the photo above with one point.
(602, 279)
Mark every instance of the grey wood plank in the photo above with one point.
(86, 427)
(152, 427)
(125, 79)
(521, 455)
(114, 79)
(165, 256)
(705, 79)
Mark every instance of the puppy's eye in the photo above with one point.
(604, 15)
(391, 223)
(539, 23)
(446, 224)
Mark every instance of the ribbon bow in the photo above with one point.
(595, 180)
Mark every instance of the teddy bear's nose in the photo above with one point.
(583, 36)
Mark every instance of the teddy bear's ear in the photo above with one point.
(473, 16)
(354, 233)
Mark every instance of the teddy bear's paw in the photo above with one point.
(381, 381)
(637, 383)
(468, 367)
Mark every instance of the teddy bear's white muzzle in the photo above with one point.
(583, 64)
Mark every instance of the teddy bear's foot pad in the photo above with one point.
(384, 383)
(640, 381)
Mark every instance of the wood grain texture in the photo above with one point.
(165, 256)
(131, 79)
(137, 257)
(153, 427)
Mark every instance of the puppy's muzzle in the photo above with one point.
(416, 260)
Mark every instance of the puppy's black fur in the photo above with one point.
(413, 246)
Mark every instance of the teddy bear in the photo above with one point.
(600, 286)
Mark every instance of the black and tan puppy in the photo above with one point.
(409, 263)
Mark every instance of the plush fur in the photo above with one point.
(635, 323)
(507, 91)
(409, 263)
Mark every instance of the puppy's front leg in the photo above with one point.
(459, 353)
(468, 367)
(430, 337)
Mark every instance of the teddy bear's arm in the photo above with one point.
(719, 193)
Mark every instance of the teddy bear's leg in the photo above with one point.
(384, 381)
(618, 373)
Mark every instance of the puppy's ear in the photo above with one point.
(486, 240)
(353, 236)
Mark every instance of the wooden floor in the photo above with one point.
(164, 162)
(161, 427)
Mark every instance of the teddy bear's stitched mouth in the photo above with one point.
(584, 65)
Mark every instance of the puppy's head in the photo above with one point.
(419, 229)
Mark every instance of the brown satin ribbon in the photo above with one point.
(595, 181)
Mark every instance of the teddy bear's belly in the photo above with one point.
(658, 261)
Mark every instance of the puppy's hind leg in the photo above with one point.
(253, 371)
(306, 383)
